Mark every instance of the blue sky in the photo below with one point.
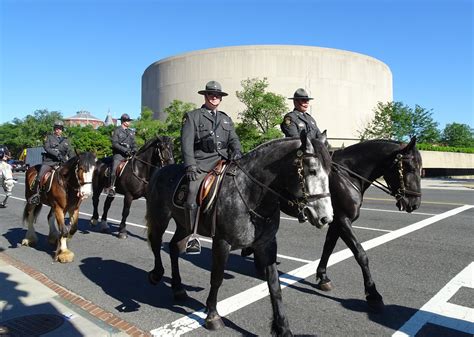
(71, 55)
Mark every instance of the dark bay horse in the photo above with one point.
(64, 191)
(247, 213)
(354, 169)
(133, 181)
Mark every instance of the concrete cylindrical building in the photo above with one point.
(346, 86)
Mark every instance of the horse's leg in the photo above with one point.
(104, 226)
(73, 221)
(322, 280)
(53, 235)
(267, 260)
(29, 216)
(127, 202)
(220, 254)
(62, 254)
(374, 299)
(179, 292)
(95, 203)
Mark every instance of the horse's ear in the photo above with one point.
(306, 142)
(323, 138)
(411, 145)
(77, 152)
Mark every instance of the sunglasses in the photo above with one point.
(214, 95)
(302, 100)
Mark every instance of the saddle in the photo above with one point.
(119, 170)
(46, 180)
(208, 190)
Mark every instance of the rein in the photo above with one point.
(135, 158)
(398, 194)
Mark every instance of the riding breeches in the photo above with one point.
(193, 189)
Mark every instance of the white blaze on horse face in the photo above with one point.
(86, 185)
(317, 182)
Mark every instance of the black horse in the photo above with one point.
(247, 213)
(354, 169)
(133, 181)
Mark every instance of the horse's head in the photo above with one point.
(404, 177)
(84, 170)
(309, 183)
(164, 151)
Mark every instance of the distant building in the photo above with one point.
(109, 120)
(83, 118)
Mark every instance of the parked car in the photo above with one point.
(19, 166)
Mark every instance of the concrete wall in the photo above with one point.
(346, 85)
(437, 159)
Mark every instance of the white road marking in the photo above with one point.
(249, 296)
(440, 312)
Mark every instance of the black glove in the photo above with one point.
(128, 153)
(191, 173)
(60, 158)
(236, 155)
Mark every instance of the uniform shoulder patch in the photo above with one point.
(287, 120)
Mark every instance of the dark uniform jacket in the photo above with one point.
(205, 139)
(123, 140)
(57, 150)
(295, 121)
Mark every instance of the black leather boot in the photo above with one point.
(35, 198)
(193, 245)
(111, 192)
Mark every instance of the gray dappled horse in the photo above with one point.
(290, 170)
(132, 182)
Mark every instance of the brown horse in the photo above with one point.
(63, 189)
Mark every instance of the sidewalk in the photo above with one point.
(448, 184)
(32, 304)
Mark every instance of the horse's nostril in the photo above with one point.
(324, 220)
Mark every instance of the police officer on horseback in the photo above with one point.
(207, 136)
(57, 150)
(123, 146)
(4, 153)
(299, 119)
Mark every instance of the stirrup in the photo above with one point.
(34, 199)
(111, 192)
(193, 246)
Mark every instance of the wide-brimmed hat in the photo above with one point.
(125, 118)
(300, 94)
(58, 125)
(213, 87)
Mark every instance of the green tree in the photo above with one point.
(394, 120)
(146, 127)
(458, 135)
(86, 138)
(174, 117)
(263, 109)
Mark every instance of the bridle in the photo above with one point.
(162, 161)
(399, 193)
(300, 202)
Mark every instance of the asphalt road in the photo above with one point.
(413, 257)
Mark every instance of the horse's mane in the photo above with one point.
(152, 142)
(369, 144)
(320, 150)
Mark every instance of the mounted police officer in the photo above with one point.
(207, 135)
(5, 153)
(299, 119)
(57, 150)
(123, 146)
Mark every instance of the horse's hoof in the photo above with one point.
(28, 243)
(65, 256)
(153, 278)
(94, 222)
(375, 304)
(214, 323)
(180, 294)
(325, 286)
(3, 205)
(122, 235)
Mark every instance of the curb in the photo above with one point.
(76, 300)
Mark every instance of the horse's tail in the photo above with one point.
(36, 211)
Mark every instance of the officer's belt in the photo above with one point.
(209, 146)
